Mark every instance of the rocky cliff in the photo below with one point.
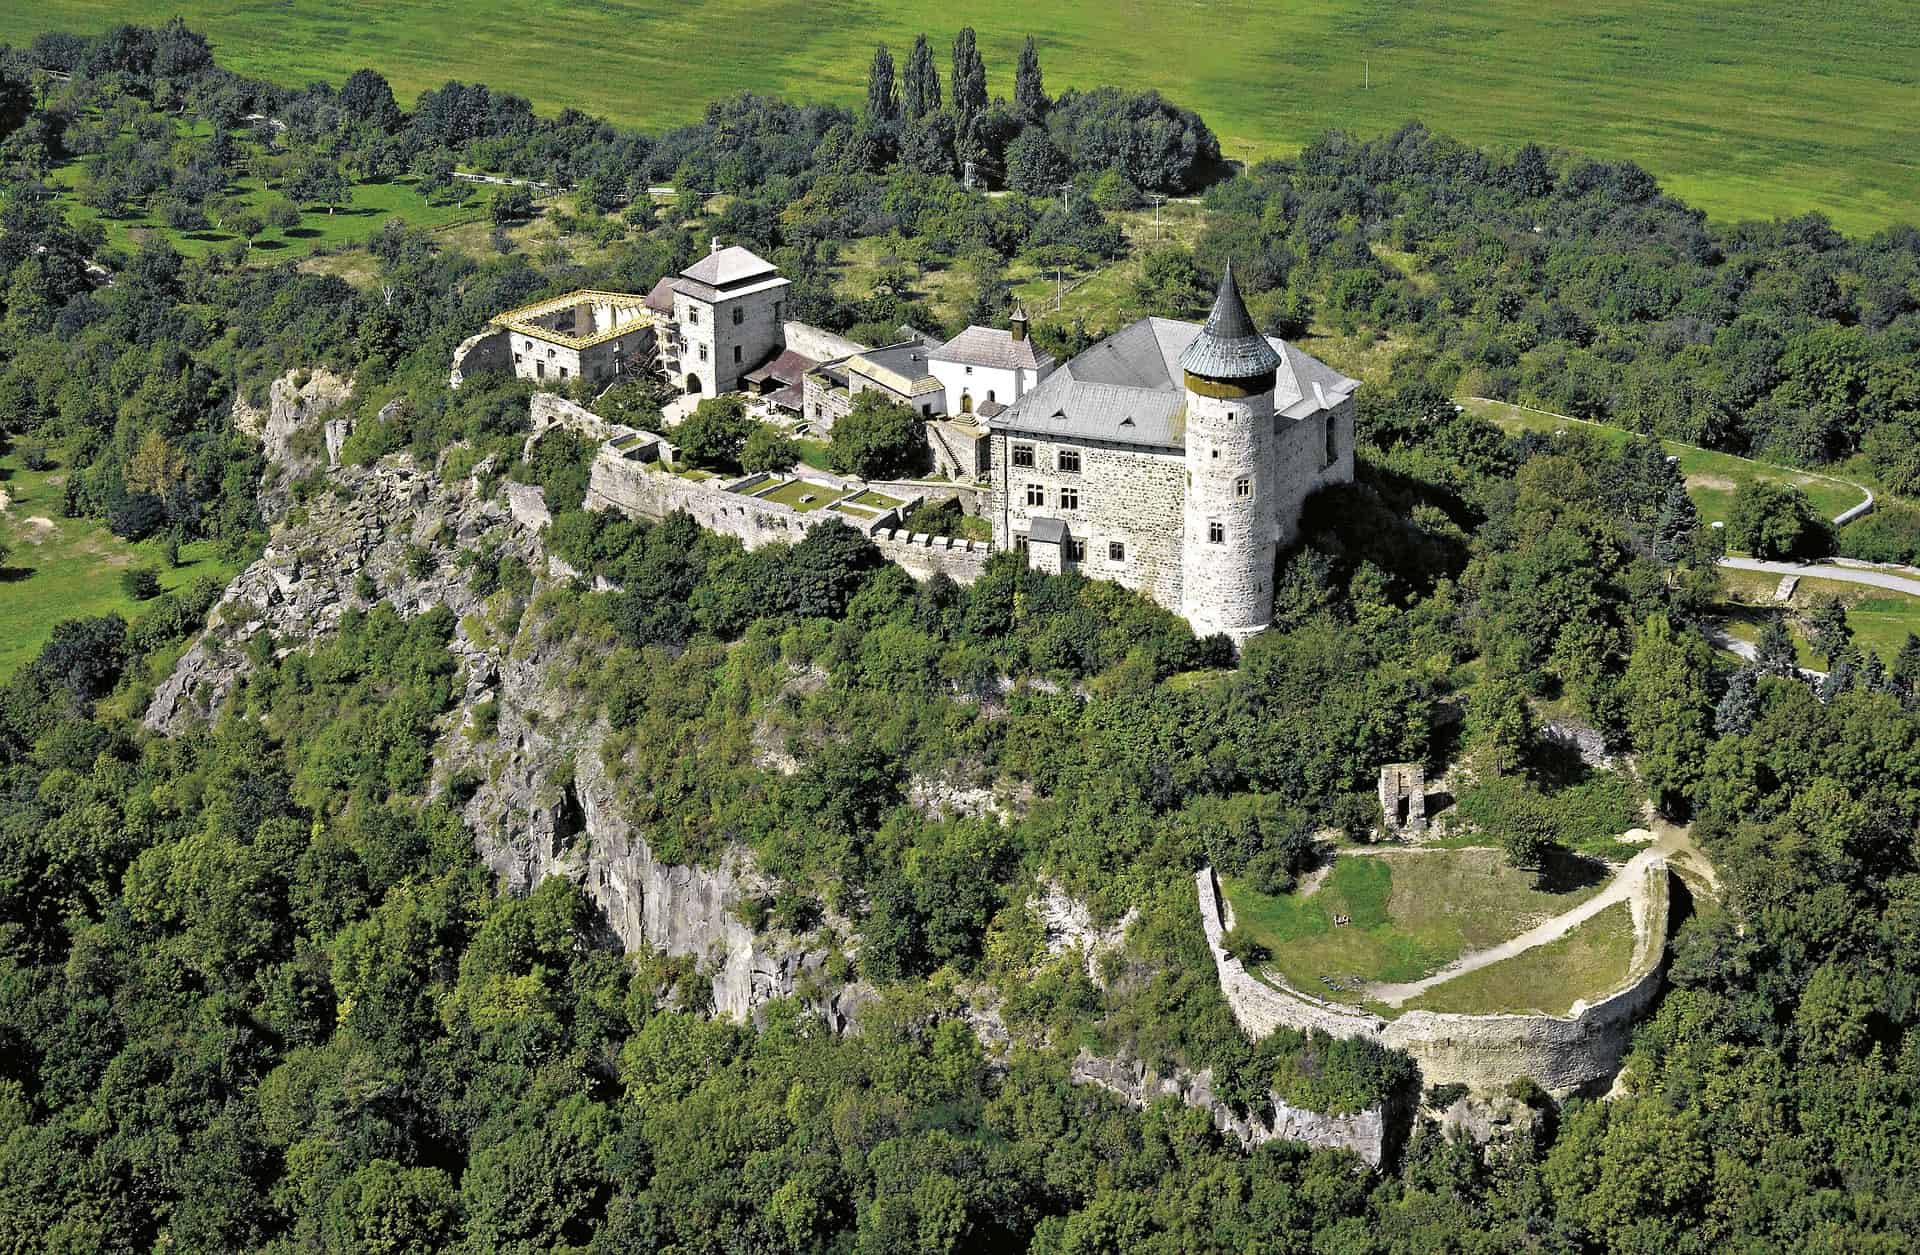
(541, 804)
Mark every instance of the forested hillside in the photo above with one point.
(258, 990)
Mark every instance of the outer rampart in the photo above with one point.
(1562, 1053)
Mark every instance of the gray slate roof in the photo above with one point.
(992, 347)
(1046, 531)
(1131, 389)
(730, 266)
(1230, 346)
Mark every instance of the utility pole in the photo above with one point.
(1065, 189)
(1158, 198)
(1366, 70)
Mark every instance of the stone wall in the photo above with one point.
(1128, 495)
(817, 342)
(489, 350)
(550, 410)
(1301, 465)
(1229, 512)
(1565, 1054)
(920, 555)
(824, 405)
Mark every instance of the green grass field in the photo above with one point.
(61, 568)
(1880, 619)
(1711, 477)
(1589, 962)
(1412, 915)
(1757, 109)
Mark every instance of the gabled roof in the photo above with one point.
(1046, 531)
(1229, 346)
(660, 296)
(1131, 389)
(787, 366)
(729, 267)
(900, 367)
(994, 348)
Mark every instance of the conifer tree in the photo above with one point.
(1029, 92)
(1673, 532)
(883, 94)
(969, 78)
(922, 94)
(1740, 705)
(1906, 671)
(1830, 631)
(1774, 655)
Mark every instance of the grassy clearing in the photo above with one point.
(799, 494)
(1774, 109)
(1711, 477)
(1880, 619)
(61, 568)
(1413, 913)
(1588, 963)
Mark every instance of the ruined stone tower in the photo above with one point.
(1229, 533)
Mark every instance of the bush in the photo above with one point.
(768, 449)
(1241, 945)
(142, 583)
(1890, 534)
(879, 438)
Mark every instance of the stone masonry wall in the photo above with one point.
(486, 351)
(1301, 465)
(1127, 494)
(920, 555)
(1563, 1053)
(1227, 585)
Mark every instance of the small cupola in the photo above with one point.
(1229, 355)
(1018, 322)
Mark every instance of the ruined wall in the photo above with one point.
(550, 410)
(489, 350)
(1563, 1053)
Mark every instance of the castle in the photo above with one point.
(1172, 457)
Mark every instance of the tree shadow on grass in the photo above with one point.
(1563, 871)
(301, 233)
(14, 574)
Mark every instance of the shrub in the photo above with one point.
(768, 449)
(714, 434)
(1240, 944)
(142, 583)
(1890, 534)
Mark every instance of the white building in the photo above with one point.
(987, 366)
(727, 312)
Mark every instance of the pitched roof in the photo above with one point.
(992, 347)
(787, 366)
(729, 267)
(901, 367)
(1130, 389)
(660, 296)
(1046, 531)
(1230, 346)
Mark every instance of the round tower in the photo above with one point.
(1227, 552)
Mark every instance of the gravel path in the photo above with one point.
(1629, 885)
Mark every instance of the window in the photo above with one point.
(550, 354)
(1076, 550)
(969, 370)
(563, 372)
(926, 410)
(1243, 487)
(1116, 552)
(1019, 544)
(1215, 453)
(989, 394)
(703, 352)
(1333, 440)
(1023, 455)
(736, 355)
(540, 369)
(1216, 534)
(1036, 494)
(693, 315)
(1069, 460)
(527, 344)
(1069, 498)
(739, 315)
(516, 359)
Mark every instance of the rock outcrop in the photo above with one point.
(295, 431)
(541, 801)
(1367, 1133)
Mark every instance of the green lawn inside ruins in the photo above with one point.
(1410, 912)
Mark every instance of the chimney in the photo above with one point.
(1019, 322)
(714, 245)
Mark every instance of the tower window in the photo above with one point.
(1070, 460)
(1116, 552)
(1243, 487)
(1069, 498)
(1023, 455)
(703, 352)
(736, 353)
(1036, 494)
(1216, 532)
(1214, 453)
(693, 315)
(739, 315)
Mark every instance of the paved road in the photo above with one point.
(1909, 584)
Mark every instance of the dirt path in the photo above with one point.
(1628, 885)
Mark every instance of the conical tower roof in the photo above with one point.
(1229, 346)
